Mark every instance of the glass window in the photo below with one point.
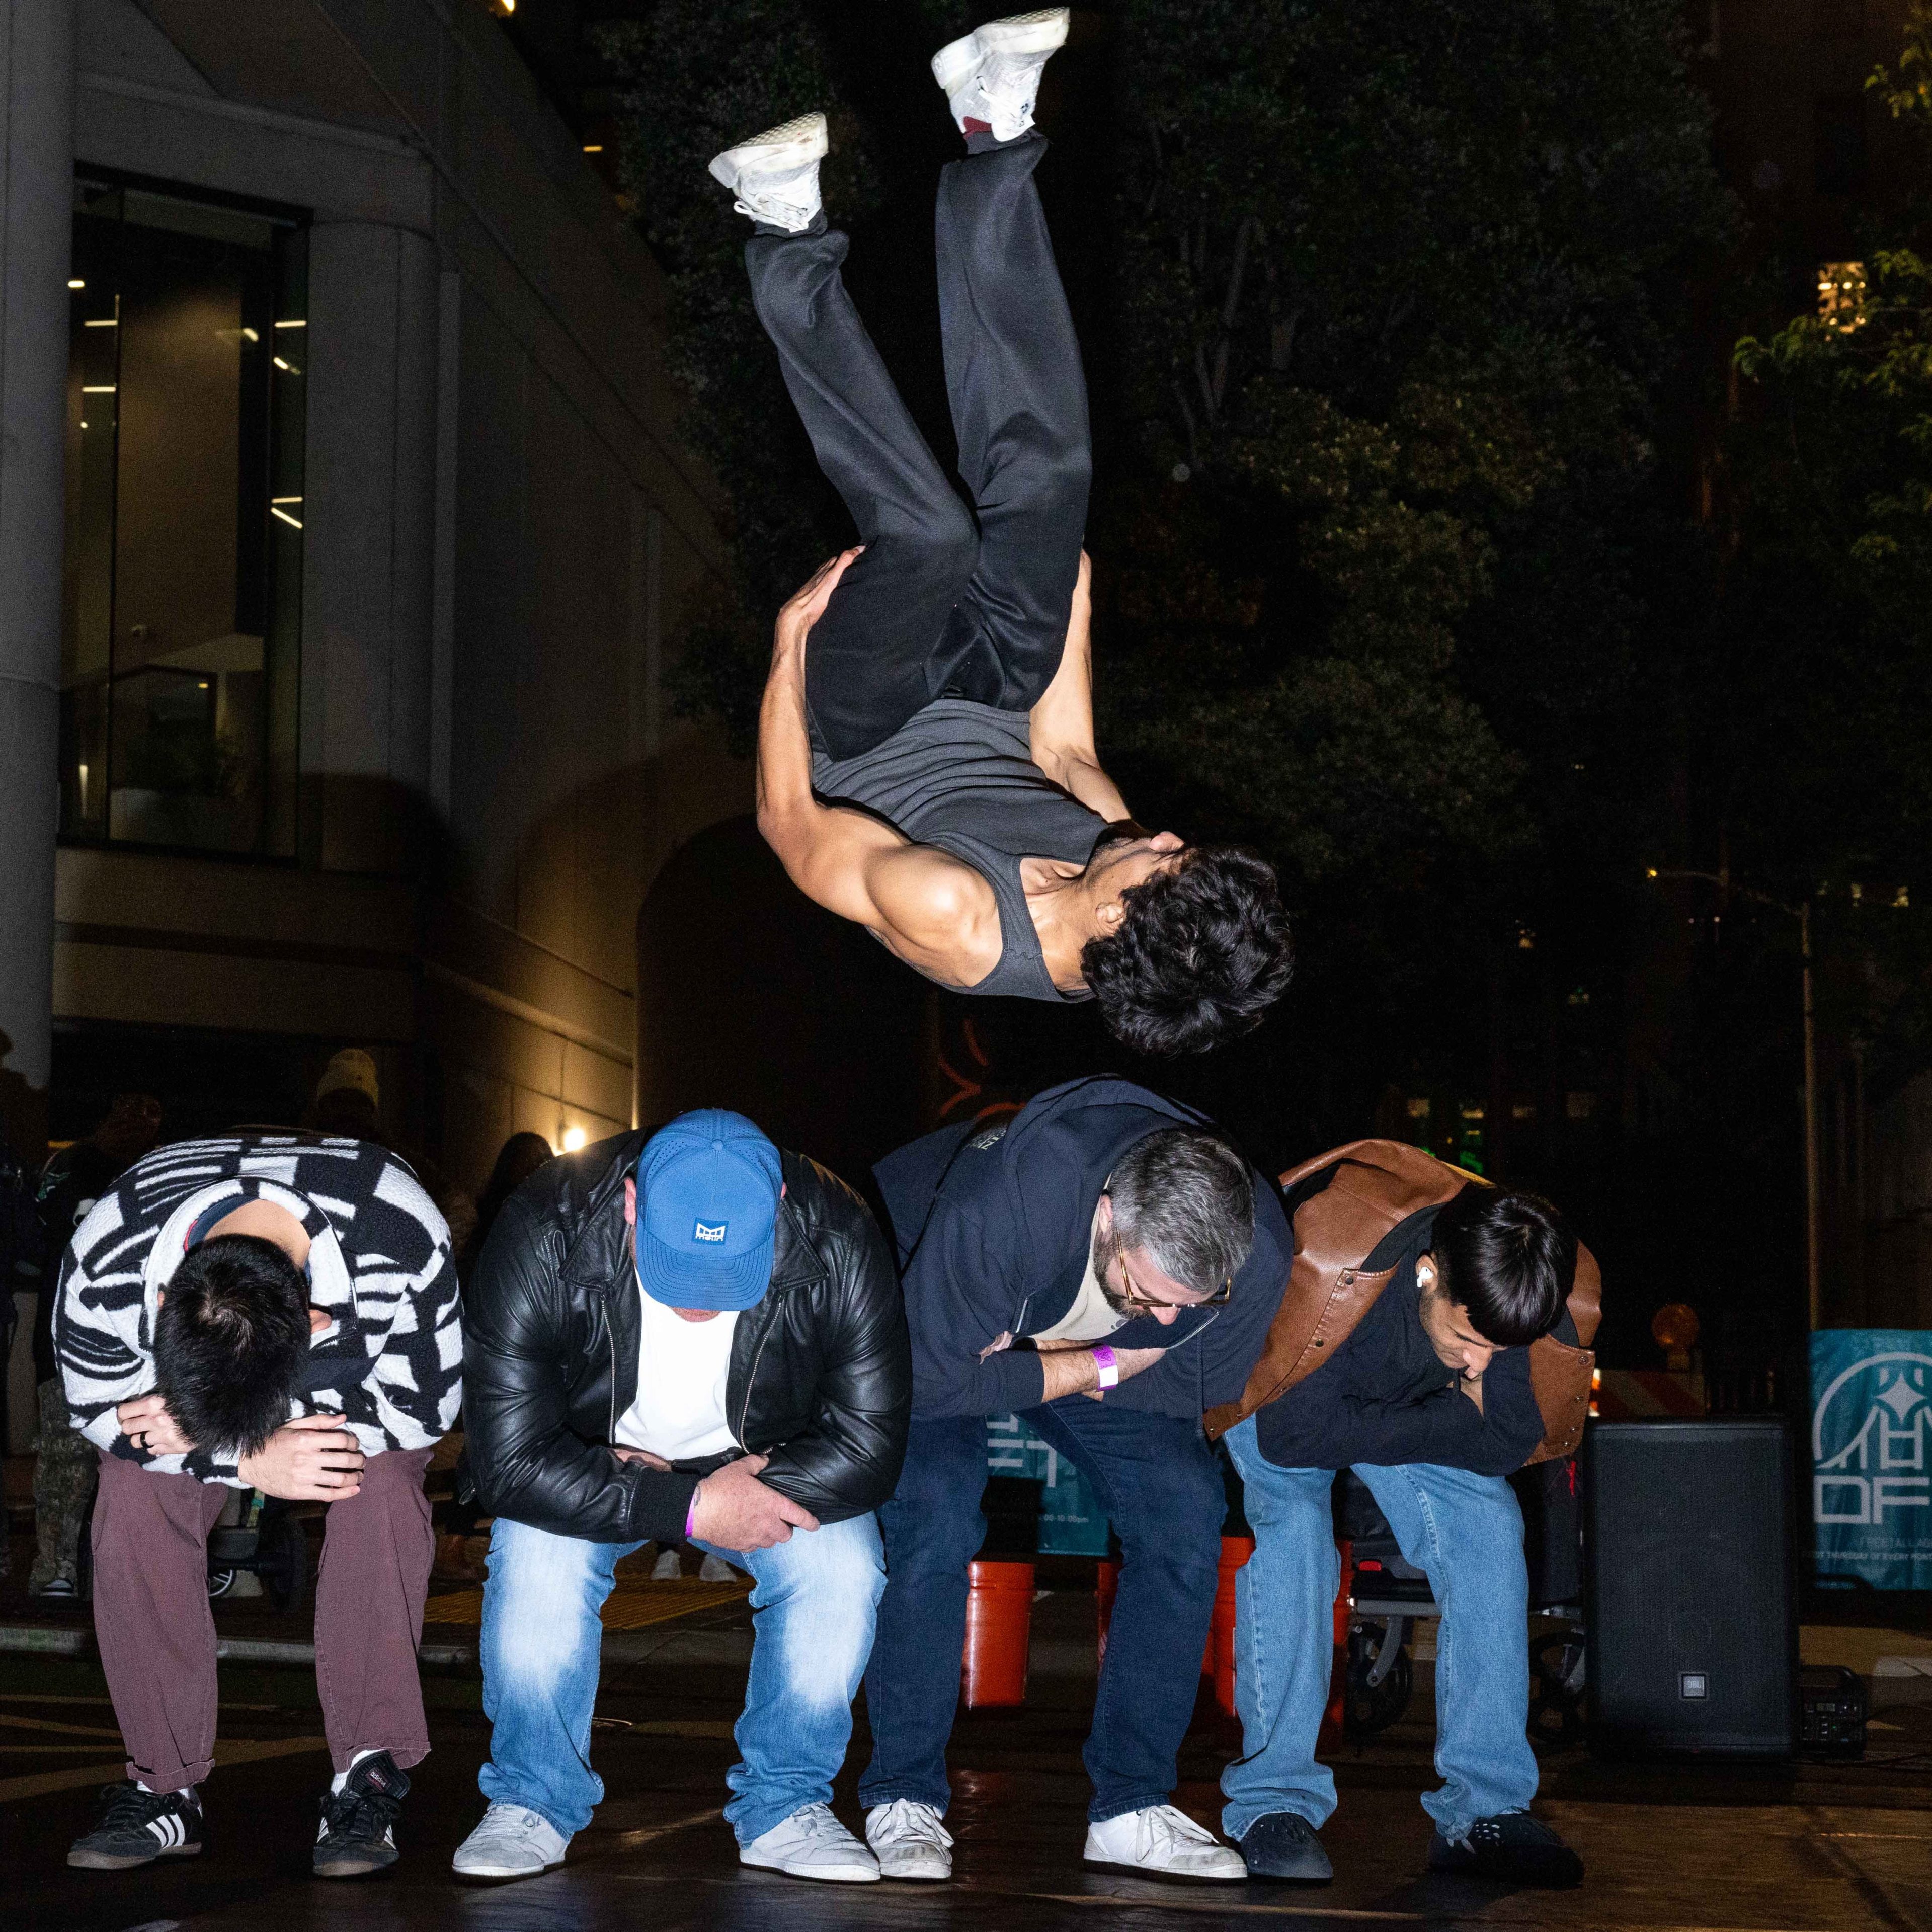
(180, 650)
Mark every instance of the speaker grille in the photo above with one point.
(1692, 1638)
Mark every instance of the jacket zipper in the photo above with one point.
(604, 1320)
(745, 1409)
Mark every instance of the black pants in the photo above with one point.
(942, 601)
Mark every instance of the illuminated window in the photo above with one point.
(187, 340)
(1841, 294)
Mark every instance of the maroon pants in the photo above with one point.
(156, 1633)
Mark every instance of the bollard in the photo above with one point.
(999, 1620)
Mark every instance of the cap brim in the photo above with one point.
(724, 1285)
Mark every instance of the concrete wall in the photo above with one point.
(501, 532)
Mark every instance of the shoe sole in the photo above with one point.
(112, 1861)
(1291, 1878)
(497, 1873)
(791, 145)
(917, 1878)
(356, 1868)
(1165, 1877)
(1042, 33)
(817, 1877)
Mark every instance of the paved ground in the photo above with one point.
(1813, 1849)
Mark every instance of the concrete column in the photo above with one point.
(36, 230)
(368, 594)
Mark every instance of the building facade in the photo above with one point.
(343, 520)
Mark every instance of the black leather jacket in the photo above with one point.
(821, 1378)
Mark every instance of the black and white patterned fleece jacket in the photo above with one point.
(390, 1363)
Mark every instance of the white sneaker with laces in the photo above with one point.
(992, 74)
(511, 1842)
(774, 175)
(909, 1841)
(1160, 1842)
(812, 1843)
(715, 1570)
(667, 1569)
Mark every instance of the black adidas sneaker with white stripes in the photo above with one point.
(136, 1827)
(357, 1833)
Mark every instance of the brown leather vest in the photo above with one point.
(1377, 1186)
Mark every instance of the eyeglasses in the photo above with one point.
(1129, 1293)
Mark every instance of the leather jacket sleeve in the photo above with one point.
(526, 1463)
(847, 1461)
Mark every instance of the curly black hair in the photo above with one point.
(1202, 954)
(231, 1343)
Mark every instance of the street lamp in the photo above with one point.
(1802, 912)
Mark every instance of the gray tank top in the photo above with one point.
(961, 776)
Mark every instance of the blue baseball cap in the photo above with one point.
(708, 1191)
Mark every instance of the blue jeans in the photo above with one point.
(1465, 1531)
(815, 1598)
(1161, 1486)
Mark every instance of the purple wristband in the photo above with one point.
(1109, 1366)
(690, 1517)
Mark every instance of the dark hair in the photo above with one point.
(1187, 1197)
(520, 1157)
(231, 1343)
(1507, 1257)
(1202, 954)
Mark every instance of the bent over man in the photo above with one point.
(1434, 1338)
(280, 1312)
(928, 770)
(685, 1334)
(1098, 1265)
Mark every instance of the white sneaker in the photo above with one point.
(667, 1569)
(812, 1843)
(715, 1570)
(511, 1842)
(774, 175)
(993, 74)
(1163, 1843)
(910, 1840)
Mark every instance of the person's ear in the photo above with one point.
(1425, 1274)
(1106, 1224)
(1109, 913)
(630, 1201)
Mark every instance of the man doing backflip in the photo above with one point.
(928, 770)
(1433, 1338)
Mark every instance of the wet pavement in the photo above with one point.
(1810, 1848)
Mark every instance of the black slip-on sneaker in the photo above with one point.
(1284, 1846)
(1512, 1848)
(136, 1827)
(357, 1833)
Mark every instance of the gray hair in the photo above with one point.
(1188, 1199)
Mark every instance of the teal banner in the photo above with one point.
(1871, 1473)
(1071, 1521)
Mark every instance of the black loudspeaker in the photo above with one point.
(1693, 1631)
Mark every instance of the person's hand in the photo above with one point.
(146, 1424)
(1471, 1386)
(733, 1510)
(624, 1453)
(311, 1459)
(806, 604)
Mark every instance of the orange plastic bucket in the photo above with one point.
(1235, 1550)
(1106, 1588)
(999, 1622)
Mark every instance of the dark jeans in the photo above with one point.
(936, 604)
(1161, 1486)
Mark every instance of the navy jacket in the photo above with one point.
(993, 1225)
(1385, 1397)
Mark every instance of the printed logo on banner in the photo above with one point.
(1871, 1455)
(1071, 1522)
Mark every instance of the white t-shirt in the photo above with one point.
(1093, 1318)
(683, 1367)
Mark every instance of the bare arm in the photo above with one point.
(1061, 725)
(931, 910)
(1074, 1371)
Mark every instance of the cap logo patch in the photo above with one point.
(703, 1231)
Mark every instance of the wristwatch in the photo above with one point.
(1109, 1367)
